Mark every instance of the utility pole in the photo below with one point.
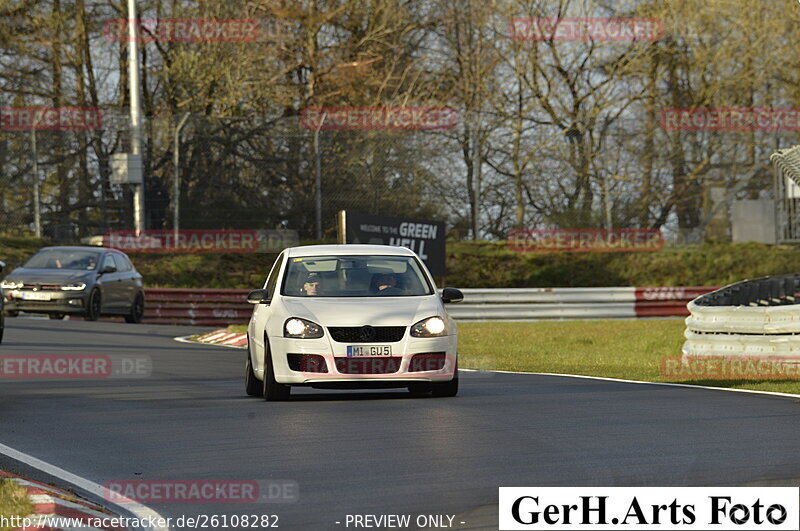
(37, 209)
(318, 176)
(176, 190)
(136, 114)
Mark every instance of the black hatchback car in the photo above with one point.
(88, 281)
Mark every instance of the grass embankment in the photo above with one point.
(487, 265)
(13, 501)
(631, 350)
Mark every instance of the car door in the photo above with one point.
(126, 281)
(110, 285)
(262, 313)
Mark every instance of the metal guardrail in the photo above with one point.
(759, 317)
(220, 307)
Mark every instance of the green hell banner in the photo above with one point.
(424, 237)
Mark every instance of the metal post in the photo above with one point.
(607, 203)
(136, 115)
(176, 190)
(37, 212)
(318, 176)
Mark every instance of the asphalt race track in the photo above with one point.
(376, 452)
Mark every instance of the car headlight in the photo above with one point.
(11, 284)
(301, 329)
(80, 286)
(430, 327)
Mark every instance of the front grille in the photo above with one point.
(386, 365)
(46, 287)
(367, 334)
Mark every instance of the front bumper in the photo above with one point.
(335, 356)
(58, 301)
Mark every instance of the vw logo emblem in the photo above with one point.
(367, 333)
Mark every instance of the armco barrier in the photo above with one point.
(218, 307)
(755, 318)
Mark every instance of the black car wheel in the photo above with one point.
(444, 389)
(273, 391)
(56, 315)
(251, 384)
(93, 306)
(137, 310)
(2, 326)
(11, 313)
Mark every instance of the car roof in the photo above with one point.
(347, 249)
(82, 248)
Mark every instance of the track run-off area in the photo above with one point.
(371, 452)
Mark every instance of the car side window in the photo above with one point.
(128, 263)
(108, 261)
(272, 280)
(119, 263)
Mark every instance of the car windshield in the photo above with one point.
(355, 276)
(63, 259)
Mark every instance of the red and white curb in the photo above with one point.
(50, 503)
(221, 337)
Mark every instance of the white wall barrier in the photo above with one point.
(753, 318)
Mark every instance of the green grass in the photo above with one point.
(13, 501)
(631, 350)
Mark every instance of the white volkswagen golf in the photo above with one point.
(350, 316)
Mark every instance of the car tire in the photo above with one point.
(56, 316)
(2, 326)
(93, 305)
(419, 389)
(252, 386)
(272, 390)
(445, 389)
(136, 312)
(11, 313)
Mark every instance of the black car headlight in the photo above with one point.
(430, 327)
(301, 329)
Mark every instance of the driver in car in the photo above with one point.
(386, 284)
(311, 285)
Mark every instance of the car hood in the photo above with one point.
(48, 276)
(358, 311)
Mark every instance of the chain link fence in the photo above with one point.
(257, 173)
(247, 173)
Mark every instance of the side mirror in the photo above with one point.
(452, 295)
(108, 269)
(258, 296)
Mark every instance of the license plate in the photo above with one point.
(35, 296)
(355, 351)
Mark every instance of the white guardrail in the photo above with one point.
(217, 307)
(573, 303)
(753, 318)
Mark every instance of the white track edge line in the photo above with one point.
(185, 339)
(142, 512)
(645, 382)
